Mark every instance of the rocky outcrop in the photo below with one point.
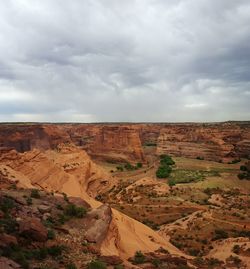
(216, 142)
(124, 142)
(97, 224)
(7, 240)
(34, 229)
(25, 137)
(110, 142)
(6, 263)
(68, 169)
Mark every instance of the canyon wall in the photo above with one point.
(126, 142)
(25, 137)
(110, 142)
(216, 142)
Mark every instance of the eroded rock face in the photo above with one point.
(111, 142)
(33, 228)
(27, 137)
(97, 224)
(124, 142)
(6, 263)
(7, 240)
(216, 142)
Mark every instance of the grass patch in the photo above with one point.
(187, 176)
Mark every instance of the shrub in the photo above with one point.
(235, 161)
(65, 197)
(129, 167)
(38, 254)
(51, 234)
(75, 211)
(139, 257)
(171, 182)
(236, 249)
(165, 159)
(56, 250)
(156, 262)
(119, 168)
(244, 176)
(139, 165)
(236, 260)
(29, 201)
(6, 204)
(9, 224)
(220, 234)
(193, 252)
(163, 171)
(119, 266)
(71, 266)
(35, 194)
(243, 168)
(96, 264)
(200, 158)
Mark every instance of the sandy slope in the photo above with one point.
(127, 236)
(223, 249)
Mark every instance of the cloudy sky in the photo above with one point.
(116, 60)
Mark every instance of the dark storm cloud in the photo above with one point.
(145, 60)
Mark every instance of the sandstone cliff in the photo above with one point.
(110, 142)
(216, 142)
(125, 142)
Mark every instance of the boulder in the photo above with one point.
(33, 228)
(8, 264)
(79, 202)
(97, 223)
(7, 240)
(44, 209)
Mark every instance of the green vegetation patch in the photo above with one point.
(165, 168)
(187, 176)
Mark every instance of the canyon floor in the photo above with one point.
(63, 208)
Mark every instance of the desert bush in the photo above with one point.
(65, 197)
(75, 211)
(236, 249)
(9, 224)
(235, 161)
(167, 160)
(163, 171)
(193, 252)
(243, 168)
(51, 234)
(220, 234)
(156, 262)
(70, 266)
(119, 168)
(35, 194)
(29, 201)
(119, 266)
(56, 250)
(139, 165)
(139, 257)
(171, 182)
(6, 204)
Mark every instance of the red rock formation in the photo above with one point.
(33, 228)
(124, 142)
(217, 142)
(110, 142)
(24, 137)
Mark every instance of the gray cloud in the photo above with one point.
(145, 60)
